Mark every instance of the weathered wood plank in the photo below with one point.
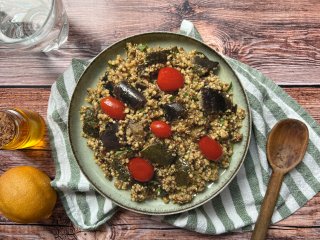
(34, 99)
(34, 232)
(307, 216)
(37, 158)
(279, 38)
(169, 234)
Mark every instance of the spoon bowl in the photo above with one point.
(286, 146)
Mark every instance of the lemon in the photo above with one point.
(26, 195)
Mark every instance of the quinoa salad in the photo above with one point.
(161, 123)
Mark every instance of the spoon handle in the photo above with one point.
(267, 207)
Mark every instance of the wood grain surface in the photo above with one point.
(279, 38)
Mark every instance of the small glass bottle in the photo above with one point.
(20, 128)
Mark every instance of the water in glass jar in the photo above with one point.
(37, 24)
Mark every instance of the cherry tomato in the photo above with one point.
(140, 169)
(210, 148)
(170, 79)
(113, 107)
(161, 129)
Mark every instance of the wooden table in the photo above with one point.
(279, 38)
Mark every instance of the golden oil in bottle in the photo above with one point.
(20, 129)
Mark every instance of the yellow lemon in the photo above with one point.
(26, 195)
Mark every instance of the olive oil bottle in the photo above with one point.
(20, 128)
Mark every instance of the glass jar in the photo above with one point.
(33, 25)
(20, 128)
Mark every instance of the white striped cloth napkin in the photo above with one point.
(237, 207)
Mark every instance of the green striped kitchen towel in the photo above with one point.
(237, 207)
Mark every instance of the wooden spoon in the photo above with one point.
(286, 146)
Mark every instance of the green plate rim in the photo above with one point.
(227, 182)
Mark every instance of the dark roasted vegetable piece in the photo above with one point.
(154, 75)
(174, 111)
(158, 153)
(157, 57)
(109, 138)
(90, 130)
(204, 65)
(144, 74)
(91, 123)
(136, 130)
(141, 85)
(109, 85)
(123, 172)
(160, 56)
(129, 95)
(182, 178)
(154, 58)
(140, 70)
(213, 101)
(182, 173)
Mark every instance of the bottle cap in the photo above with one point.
(7, 128)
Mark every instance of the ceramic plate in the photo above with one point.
(84, 155)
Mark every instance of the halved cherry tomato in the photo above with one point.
(140, 169)
(210, 148)
(113, 107)
(161, 129)
(170, 79)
